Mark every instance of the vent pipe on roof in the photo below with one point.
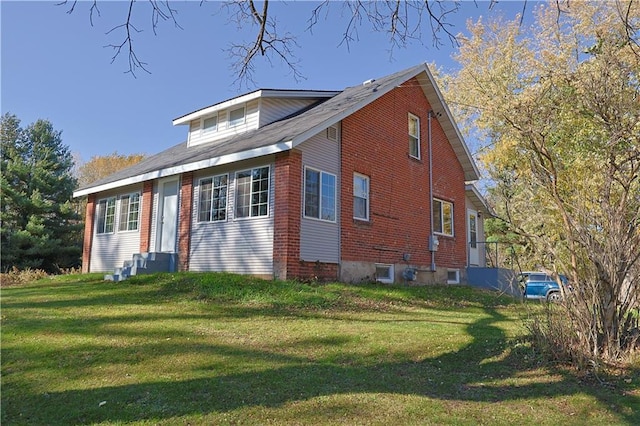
(371, 80)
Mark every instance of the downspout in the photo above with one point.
(432, 239)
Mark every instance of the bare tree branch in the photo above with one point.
(269, 42)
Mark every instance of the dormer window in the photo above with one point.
(236, 117)
(210, 124)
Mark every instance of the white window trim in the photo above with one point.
(457, 280)
(304, 196)
(119, 211)
(412, 116)
(235, 195)
(453, 228)
(391, 273)
(115, 215)
(211, 130)
(244, 116)
(226, 216)
(368, 179)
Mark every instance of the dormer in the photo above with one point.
(247, 112)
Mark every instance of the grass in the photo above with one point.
(223, 349)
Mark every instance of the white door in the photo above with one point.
(168, 223)
(472, 237)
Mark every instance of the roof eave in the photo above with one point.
(189, 167)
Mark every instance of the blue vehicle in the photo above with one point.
(542, 286)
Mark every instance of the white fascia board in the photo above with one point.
(302, 94)
(185, 119)
(453, 123)
(189, 167)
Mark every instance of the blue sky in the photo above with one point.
(54, 66)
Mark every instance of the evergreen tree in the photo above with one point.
(40, 228)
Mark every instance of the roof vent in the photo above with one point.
(371, 80)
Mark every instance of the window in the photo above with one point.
(210, 124)
(252, 192)
(212, 203)
(360, 196)
(236, 117)
(384, 273)
(443, 217)
(105, 218)
(453, 276)
(129, 212)
(414, 136)
(473, 231)
(319, 195)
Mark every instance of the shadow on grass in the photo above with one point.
(484, 370)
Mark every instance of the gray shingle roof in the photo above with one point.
(274, 137)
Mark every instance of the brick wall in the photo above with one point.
(88, 233)
(286, 235)
(184, 221)
(146, 214)
(375, 143)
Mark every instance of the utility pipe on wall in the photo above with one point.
(432, 242)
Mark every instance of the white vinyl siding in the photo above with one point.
(110, 251)
(241, 246)
(224, 127)
(272, 109)
(320, 240)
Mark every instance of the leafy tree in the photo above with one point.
(39, 225)
(558, 107)
(101, 166)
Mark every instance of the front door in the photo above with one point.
(472, 237)
(168, 217)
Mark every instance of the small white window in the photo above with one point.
(236, 117)
(414, 136)
(210, 124)
(360, 196)
(443, 217)
(453, 276)
(384, 273)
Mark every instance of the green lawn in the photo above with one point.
(222, 349)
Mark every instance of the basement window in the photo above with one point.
(453, 276)
(384, 273)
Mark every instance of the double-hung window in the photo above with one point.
(414, 136)
(360, 196)
(319, 195)
(212, 204)
(443, 217)
(106, 215)
(252, 192)
(210, 124)
(236, 117)
(129, 212)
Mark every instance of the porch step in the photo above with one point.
(144, 263)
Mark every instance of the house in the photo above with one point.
(373, 182)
